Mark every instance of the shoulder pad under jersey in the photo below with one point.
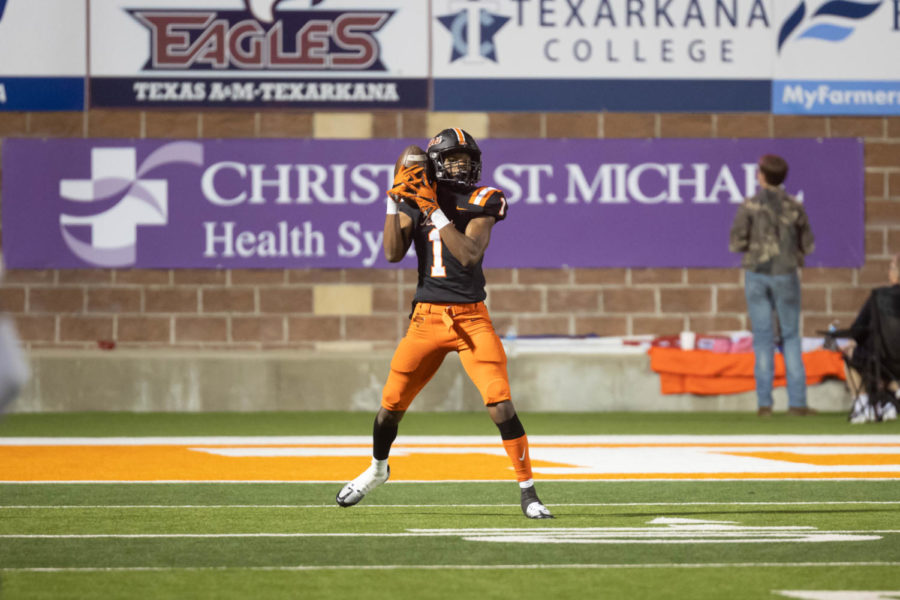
(487, 201)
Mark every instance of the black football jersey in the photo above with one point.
(441, 277)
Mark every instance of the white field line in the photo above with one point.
(430, 533)
(335, 506)
(588, 566)
(809, 477)
(537, 440)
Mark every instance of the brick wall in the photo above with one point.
(344, 309)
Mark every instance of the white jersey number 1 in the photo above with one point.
(437, 248)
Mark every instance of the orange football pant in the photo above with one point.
(436, 330)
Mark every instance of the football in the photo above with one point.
(414, 155)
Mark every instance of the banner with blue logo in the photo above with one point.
(785, 56)
(837, 57)
(260, 53)
(42, 54)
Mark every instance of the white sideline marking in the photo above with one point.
(839, 595)
(499, 505)
(247, 451)
(616, 459)
(137, 536)
(410, 534)
(488, 440)
(454, 567)
(677, 531)
(621, 532)
(821, 477)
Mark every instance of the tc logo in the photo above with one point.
(473, 29)
(263, 10)
(823, 23)
(129, 200)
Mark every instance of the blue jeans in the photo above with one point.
(779, 293)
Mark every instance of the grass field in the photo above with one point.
(779, 508)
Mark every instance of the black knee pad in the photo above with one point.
(511, 429)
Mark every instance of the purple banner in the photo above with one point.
(320, 203)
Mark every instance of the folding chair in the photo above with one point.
(877, 354)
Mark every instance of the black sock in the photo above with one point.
(383, 436)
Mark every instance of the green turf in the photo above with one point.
(263, 566)
(425, 423)
(636, 584)
(86, 494)
(434, 566)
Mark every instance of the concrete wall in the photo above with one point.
(146, 381)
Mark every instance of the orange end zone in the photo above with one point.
(437, 462)
(180, 463)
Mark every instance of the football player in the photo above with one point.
(441, 209)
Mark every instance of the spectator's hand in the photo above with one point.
(848, 348)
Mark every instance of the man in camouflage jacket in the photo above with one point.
(772, 230)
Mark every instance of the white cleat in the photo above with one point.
(889, 412)
(857, 415)
(357, 489)
(866, 415)
(862, 412)
(536, 510)
(532, 505)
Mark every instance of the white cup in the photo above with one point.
(688, 340)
